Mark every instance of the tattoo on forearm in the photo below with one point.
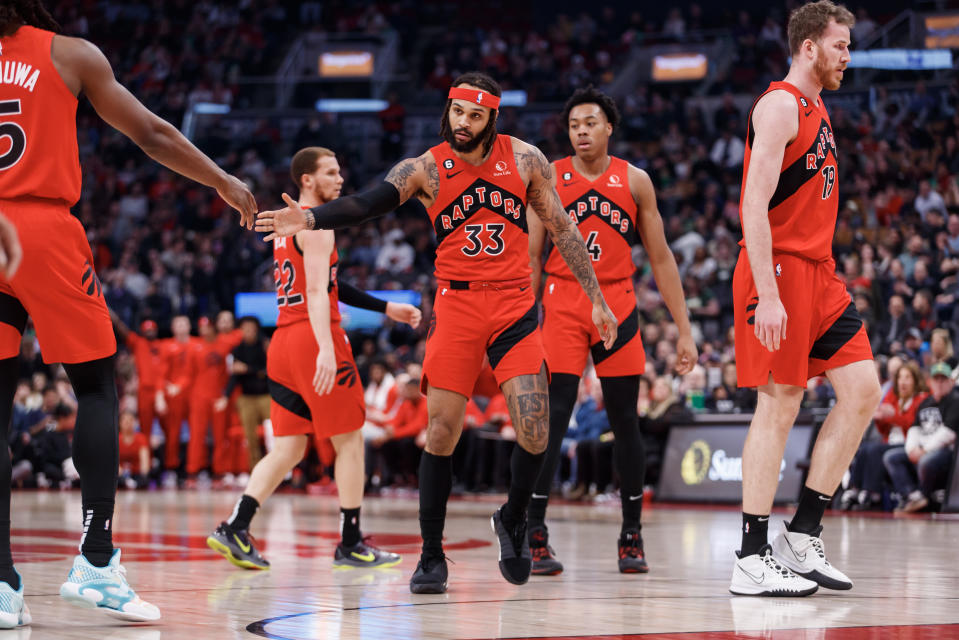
(567, 238)
(432, 177)
(310, 219)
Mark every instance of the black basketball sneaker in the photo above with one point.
(515, 562)
(362, 555)
(632, 559)
(544, 562)
(431, 574)
(239, 547)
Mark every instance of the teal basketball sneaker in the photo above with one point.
(13, 610)
(106, 588)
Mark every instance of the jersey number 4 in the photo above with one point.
(495, 245)
(13, 131)
(283, 289)
(829, 180)
(592, 246)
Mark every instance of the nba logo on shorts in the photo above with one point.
(779, 269)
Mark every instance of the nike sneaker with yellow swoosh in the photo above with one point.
(237, 546)
(363, 555)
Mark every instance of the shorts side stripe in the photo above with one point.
(12, 312)
(836, 336)
(628, 329)
(510, 337)
(289, 399)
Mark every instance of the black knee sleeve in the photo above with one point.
(563, 389)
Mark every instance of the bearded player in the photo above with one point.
(794, 318)
(56, 285)
(613, 205)
(475, 186)
(314, 386)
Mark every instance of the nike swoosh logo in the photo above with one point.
(763, 519)
(634, 498)
(801, 558)
(808, 113)
(539, 497)
(454, 174)
(365, 557)
(757, 580)
(524, 288)
(244, 548)
(569, 184)
(825, 498)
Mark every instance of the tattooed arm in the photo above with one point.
(541, 196)
(412, 177)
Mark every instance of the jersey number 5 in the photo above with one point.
(496, 244)
(829, 180)
(13, 131)
(283, 289)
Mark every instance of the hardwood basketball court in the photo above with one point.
(906, 574)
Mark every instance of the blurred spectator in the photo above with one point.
(921, 468)
(51, 449)
(134, 454)
(894, 416)
(248, 372)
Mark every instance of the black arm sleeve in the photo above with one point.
(352, 210)
(354, 297)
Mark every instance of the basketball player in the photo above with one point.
(174, 398)
(147, 353)
(794, 318)
(475, 187)
(56, 285)
(610, 201)
(314, 386)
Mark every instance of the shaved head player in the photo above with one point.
(475, 186)
(794, 318)
(56, 285)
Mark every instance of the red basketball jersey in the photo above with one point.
(289, 276)
(480, 216)
(38, 122)
(802, 211)
(605, 213)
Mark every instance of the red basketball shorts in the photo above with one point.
(570, 336)
(295, 408)
(823, 329)
(499, 320)
(56, 286)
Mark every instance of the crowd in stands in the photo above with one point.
(171, 256)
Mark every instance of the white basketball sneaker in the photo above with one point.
(760, 574)
(13, 610)
(804, 555)
(106, 588)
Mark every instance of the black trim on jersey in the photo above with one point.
(296, 245)
(489, 187)
(793, 177)
(628, 329)
(512, 335)
(630, 236)
(12, 312)
(288, 399)
(842, 331)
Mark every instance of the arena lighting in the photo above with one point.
(355, 105)
(513, 98)
(901, 59)
(210, 108)
(679, 67)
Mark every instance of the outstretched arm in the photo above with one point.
(664, 266)
(83, 67)
(411, 177)
(360, 299)
(542, 197)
